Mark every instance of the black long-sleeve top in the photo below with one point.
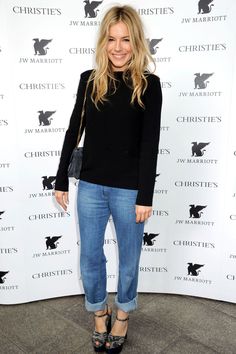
(121, 139)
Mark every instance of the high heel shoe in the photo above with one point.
(99, 339)
(116, 342)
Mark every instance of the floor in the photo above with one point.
(166, 324)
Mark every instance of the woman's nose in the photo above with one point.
(118, 45)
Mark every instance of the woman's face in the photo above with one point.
(118, 46)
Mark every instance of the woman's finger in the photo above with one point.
(62, 199)
(66, 198)
(143, 213)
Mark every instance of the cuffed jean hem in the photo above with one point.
(98, 306)
(127, 306)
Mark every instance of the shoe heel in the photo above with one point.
(109, 324)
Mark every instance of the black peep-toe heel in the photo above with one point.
(116, 342)
(101, 338)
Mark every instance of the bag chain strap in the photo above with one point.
(82, 113)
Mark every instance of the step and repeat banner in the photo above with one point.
(189, 243)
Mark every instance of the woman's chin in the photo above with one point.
(119, 66)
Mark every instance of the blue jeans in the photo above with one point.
(95, 204)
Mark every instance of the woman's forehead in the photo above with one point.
(119, 29)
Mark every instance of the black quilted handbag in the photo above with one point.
(75, 162)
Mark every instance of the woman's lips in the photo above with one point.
(119, 56)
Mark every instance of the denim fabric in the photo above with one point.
(95, 204)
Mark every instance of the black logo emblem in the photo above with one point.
(153, 44)
(148, 239)
(51, 242)
(197, 148)
(90, 7)
(39, 46)
(200, 80)
(2, 278)
(194, 211)
(48, 182)
(192, 269)
(44, 117)
(1, 212)
(204, 6)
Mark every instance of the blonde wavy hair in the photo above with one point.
(137, 66)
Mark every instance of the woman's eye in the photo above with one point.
(126, 39)
(110, 39)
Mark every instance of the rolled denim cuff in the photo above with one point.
(127, 306)
(98, 306)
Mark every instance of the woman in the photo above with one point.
(122, 119)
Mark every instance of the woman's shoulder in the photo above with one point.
(153, 83)
(151, 77)
(85, 75)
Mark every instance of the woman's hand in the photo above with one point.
(143, 213)
(62, 198)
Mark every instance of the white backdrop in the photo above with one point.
(190, 241)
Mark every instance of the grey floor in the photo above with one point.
(167, 324)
